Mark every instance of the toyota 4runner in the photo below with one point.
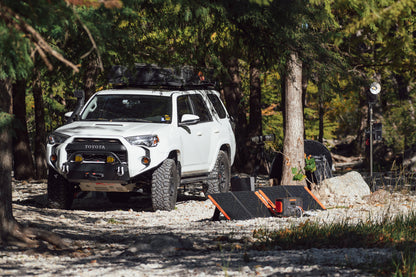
(142, 140)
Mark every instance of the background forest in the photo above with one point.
(49, 49)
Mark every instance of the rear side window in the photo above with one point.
(200, 108)
(219, 108)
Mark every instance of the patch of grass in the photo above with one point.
(398, 233)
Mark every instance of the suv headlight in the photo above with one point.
(57, 138)
(146, 140)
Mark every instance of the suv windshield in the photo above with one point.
(139, 108)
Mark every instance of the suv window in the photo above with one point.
(193, 104)
(156, 109)
(219, 108)
(184, 106)
(200, 108)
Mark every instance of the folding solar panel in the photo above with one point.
(310, 202)
(243, 205)
(239, 205)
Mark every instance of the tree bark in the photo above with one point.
(90, 77)
(234, 102)
(321, 121)
(359, 143)
(254, 162)
(40, 137)
(293, 145)
(23, 167)
(11, 232)
(7, 222)
(321, 112)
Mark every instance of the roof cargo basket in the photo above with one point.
(153, 76)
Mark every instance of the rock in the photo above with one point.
(349, 188)
(378, 197)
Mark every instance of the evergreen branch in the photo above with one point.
(19, 24)
(94, 45)
(96, 3)
(393, 11)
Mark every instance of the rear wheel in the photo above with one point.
(60, 191)
(219, 178)
(165, 181)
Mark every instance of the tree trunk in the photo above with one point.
(23, 167)
(90, 77)
(254, 162)
(293, 145)
(363, 123)
(321, 121)
(40, 137)
(233, 99)
(403, 91)
(11, 232)
(7, 222)
(321, 113)
(304, 88)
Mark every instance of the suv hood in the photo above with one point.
(112, 129)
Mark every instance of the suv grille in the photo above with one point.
(95, 149)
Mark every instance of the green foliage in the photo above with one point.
(5, 120)
(400, 126)
(299, 174)
(15, 60)
(271, 107)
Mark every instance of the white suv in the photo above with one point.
(142, 140)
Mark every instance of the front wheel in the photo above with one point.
(219, 178)
(165, 181)
(60, 191)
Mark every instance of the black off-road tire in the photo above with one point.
(60, 191)
(220, 176)
(165, 181)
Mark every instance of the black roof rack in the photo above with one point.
(153, 76)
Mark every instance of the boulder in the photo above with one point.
(346, 189)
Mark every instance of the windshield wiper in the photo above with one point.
(95, 119)
(130, 119)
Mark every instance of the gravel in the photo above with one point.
(130, 240)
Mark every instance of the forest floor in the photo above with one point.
(130, 240)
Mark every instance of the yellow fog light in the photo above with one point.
(145, 161)
(78, 158)
(110, 159)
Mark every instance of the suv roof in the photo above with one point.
(137, 91)
(154, 91)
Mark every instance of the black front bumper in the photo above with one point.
(79, 172)
(94, 165)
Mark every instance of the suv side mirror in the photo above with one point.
(189, 119)
(68, 115)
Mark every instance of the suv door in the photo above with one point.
(197, 137)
